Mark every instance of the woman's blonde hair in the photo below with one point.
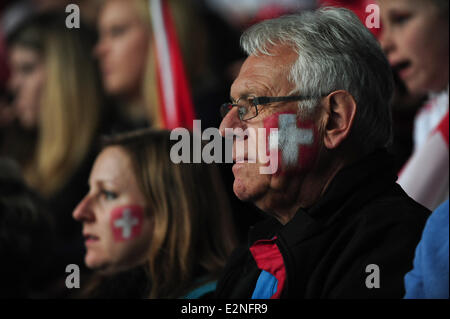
(71, 100)
(187, 25)
(193, 229)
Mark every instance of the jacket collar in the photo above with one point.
(351, 188)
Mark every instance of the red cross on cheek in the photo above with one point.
(126, 222)
(295, 143)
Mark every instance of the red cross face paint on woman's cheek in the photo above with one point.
(295, 142)
(126, 222)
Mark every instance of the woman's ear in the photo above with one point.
(341, 109)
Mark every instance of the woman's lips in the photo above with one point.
(106, 69)
(88, 238)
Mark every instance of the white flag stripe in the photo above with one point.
(164, 58)
(425, 177)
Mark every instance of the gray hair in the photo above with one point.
(335, 52)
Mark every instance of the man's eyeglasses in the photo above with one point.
(248, 106)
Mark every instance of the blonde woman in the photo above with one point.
(57, 93)
(57, 96)
(126, 51)
(153, 228)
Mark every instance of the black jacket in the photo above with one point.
(363, 218)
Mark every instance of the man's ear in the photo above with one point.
(341, 109)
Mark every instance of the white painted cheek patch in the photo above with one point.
(289, 138)
(293, 140)
(126, 222)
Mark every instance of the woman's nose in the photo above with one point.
(100, 49)
(83, 212)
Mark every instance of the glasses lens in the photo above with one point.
(245, 109)
(249, 112)
(242, 112)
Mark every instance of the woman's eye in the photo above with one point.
(27, 68)
(117, 30)
(109, 195)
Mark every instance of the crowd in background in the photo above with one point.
(62, 90)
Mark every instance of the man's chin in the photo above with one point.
(247, 193)
(249, 185)
(240, 190)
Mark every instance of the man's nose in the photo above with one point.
(230, 121)
(83, 212)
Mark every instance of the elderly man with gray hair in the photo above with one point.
(316, 86)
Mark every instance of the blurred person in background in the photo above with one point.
(404, 104)
(128, 59)
(10, 131)
(26, 237)
(153, 228)
(415, 39)
(57, 97)
(6, 113)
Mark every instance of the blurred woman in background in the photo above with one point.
(127, 55)
(58, 96)
(129, 59)
(153, 228)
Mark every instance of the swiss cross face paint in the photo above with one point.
(294, 142)
(126, 222)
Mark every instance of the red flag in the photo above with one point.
(176, 104)
(357, 6)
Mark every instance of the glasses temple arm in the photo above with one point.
(266, 99)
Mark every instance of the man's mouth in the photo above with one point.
(236, 167)
(240, 156)
(240, 159)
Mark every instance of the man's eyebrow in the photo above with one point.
(241, 96)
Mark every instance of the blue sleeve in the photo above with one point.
(202, 290)
(413, 279)
(429, 277)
